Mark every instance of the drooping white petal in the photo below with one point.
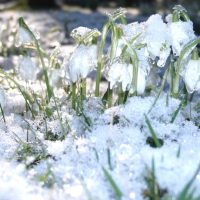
(27, 69)
(23, 37)
(82, 61)
(118, 73)
(141, 81)
(192, 76)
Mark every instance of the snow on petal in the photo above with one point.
(118, 73)
(181, 33)
(157, 39)
(82, 61)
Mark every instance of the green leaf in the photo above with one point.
(117, 191)
(153, 133)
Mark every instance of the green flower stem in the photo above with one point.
(106, 29)
(40, 54)
(175, 17)
(83, 89)
(195, 54)
(120, 94)
(74, 96)
(134, 60)
(175, 85)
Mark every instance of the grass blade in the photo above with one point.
(117, 191)
(153, 133)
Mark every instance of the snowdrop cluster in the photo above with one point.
(135, 50)
(156, 40)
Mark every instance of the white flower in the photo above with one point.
(27, 69)
(141, 81)
(143, 70)
(181, 33)
(23, 37)
(157, 39)
(191, 75)
(82, 61)
(123, 73)
(55, 77)
(129, 32)
(119, 73)
(133, 29)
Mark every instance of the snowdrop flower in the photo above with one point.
(82, 61)
(143, 70)
(119, 73)
(27, 69)
(55, 77)
(158, 39)
(181, 33)
(133, 29)
(191, 75)
(84, 35)
(141, 81)
(23, 37)
(129, 32)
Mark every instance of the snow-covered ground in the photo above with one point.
(73, 167)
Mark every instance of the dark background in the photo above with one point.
(93, 4)
(145, 7)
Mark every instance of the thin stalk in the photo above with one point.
(83, 89)
(134, 60)
(110, 96)
(160, 90)
(74, 96)
(100, 57)
(120, 94)
(2, 112)
(40, 54)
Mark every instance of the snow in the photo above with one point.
(158, 39)
(181, 33)
(119, 73)
(75, 165)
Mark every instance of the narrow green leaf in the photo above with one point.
(117, 191)
(2, 112)
(160, 90)
(153, 133)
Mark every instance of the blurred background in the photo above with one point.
(144, 5)
(141, 8)
(54, 19)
